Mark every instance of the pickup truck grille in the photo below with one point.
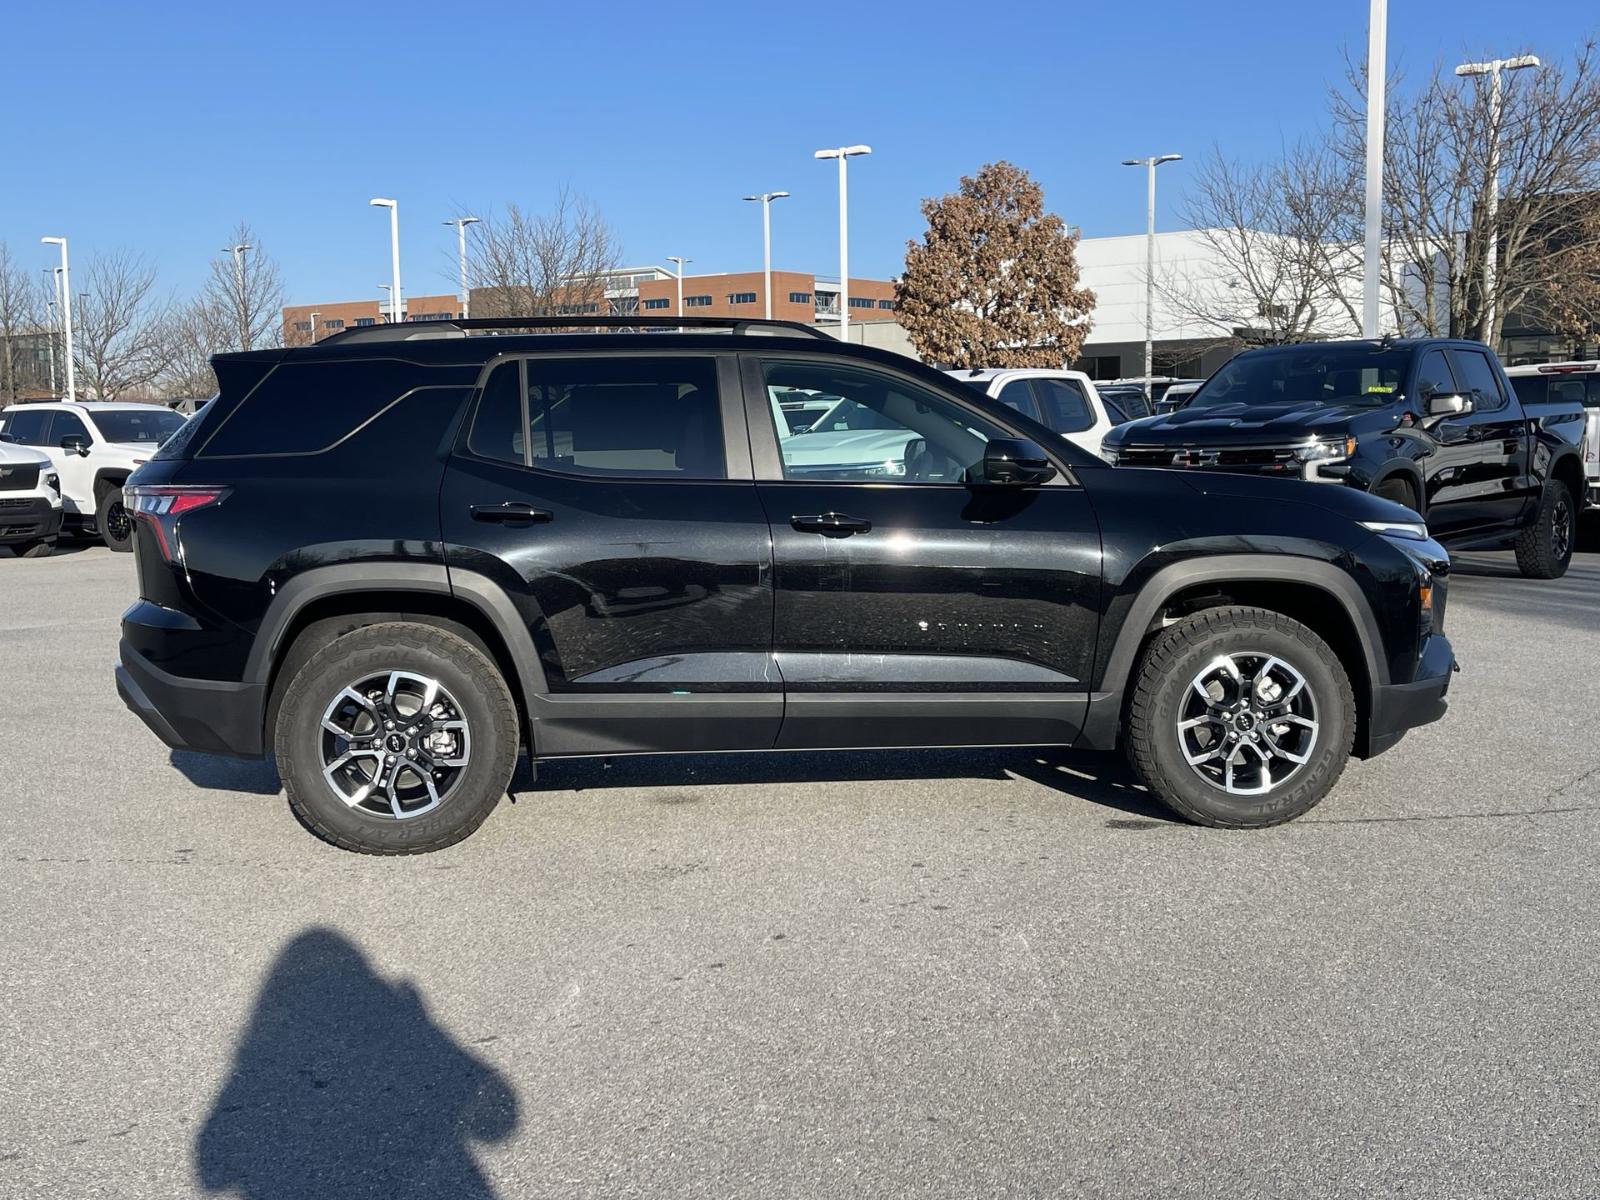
(23, 478)
(1238, 460)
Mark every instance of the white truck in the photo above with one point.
(30, 501)
(93, 446)
(1065, 401)
(1578, 381)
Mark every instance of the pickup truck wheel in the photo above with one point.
(111, 517)
(1544, 548)
(37, 548)
(1240, 718)
(1398, 490)
(396, 739)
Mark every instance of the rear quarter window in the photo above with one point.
(306, 408)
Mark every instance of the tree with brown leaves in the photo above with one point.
(994, 281)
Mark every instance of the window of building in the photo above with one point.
(642, 417)
(696, 301)
(862, 302)
(360, 321)
(741, 297)
(302, 326)
(623, 306)
(340, 324)
(889, 304)
(799, 297)
(658, 303)
(444, 316)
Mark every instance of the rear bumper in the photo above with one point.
(1398, 707)
(25, 519)
(192, 714)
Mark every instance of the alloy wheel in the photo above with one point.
(119, 525)
(1247, 722)
(394, 745)
(1561, 529)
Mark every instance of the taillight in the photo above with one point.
(160, 506)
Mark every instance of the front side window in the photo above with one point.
(877, 428)
(615, 417)
(1434, 377)
(67, 424)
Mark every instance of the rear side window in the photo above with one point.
(1066, 408)
(611, 417)
(305, 408)
(28, 427)
(1531, 389)
(1477, 375)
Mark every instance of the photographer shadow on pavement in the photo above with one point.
(343, 1086)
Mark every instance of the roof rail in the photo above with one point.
(407, 331)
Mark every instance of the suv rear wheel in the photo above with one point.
(396, 739)
(1544, 548)
(1240, 718)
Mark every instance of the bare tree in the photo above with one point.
(527, 264)
(190, 335)
(1436, 176)
(244, 292)
(21, 317)
(117, 326)
(1281, 237)
(994, 281)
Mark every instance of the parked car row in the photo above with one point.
(398, 558)
(91, 448)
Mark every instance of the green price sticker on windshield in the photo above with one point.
(1380, 387)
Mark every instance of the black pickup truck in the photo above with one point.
(1432, 423)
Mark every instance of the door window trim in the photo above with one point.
(767, 458)
(730, 410)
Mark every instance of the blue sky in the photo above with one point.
(179, 119)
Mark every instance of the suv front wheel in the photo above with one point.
(396, 738)
(1240, 718)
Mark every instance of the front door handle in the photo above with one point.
(832, 524)
(511, 512)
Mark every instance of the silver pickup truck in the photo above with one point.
(1578, 381)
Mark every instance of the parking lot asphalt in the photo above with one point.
(862, 974)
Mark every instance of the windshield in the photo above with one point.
(1333, 374)
(137, 425)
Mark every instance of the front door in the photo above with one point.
(914, 607)
(611, 498)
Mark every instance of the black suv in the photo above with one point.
(1431, 423)
(397, 557)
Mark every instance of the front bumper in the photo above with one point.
(28, 518)
(1398, 707)
(192, 714)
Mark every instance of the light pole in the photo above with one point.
(1491, 250)
(766, 199)
(66, 310)
(673, 258)
(53, 307)
(314, 315)
(1150, 164)
(461, 224)
(844, 154)
(384, 287)
(396, 302)
(238, 284)
(1372, 253)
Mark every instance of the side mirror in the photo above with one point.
(77, 444)
(1449, 404)
(1015, 462)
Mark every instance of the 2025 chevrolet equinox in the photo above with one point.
(398, 557)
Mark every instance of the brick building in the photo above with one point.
(335, 315)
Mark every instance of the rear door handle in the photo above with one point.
(831, 523)
(511, 512)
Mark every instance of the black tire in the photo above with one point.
(467, 676)
(113, 521)
(1163, 686)
(1398, 490)
(1544, 548)
(37, 548)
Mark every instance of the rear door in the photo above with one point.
(611, 498)
(912, 606)
(1497, 479)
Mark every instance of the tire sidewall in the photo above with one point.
(484, 702)
(1330, 689)
(110, 500)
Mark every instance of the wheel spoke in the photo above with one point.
(389, 719)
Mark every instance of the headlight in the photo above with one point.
(1110, 454)
(1324, 449)
(1411, 531)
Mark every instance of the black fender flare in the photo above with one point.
(482, 593)
(1412, 473)
(1105, 703)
